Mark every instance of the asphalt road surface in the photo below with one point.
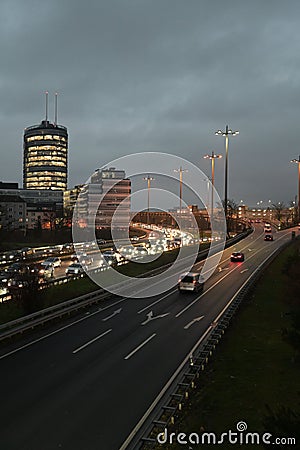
(84, 384)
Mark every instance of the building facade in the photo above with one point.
(12, 213)
(45, 157)
(43, 207)
(70, 198)
(108, 190)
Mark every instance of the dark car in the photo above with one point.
(268, 237)
(13, 271)
(16, 268)
(237, 257)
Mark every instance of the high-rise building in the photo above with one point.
(113, 189)
(45, 158)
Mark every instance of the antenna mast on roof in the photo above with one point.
(46, 94)
(55, 109)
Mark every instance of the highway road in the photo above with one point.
(83, 384)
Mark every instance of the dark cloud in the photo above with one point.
(143, 75)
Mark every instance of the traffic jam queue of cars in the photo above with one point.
(44, 261)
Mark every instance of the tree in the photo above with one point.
(278, 209)
(23, 288)
(49, 219)
(232, 214)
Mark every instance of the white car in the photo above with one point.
(191, 281)
(74, 269)
(54, 260)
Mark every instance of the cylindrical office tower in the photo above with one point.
(45, 162)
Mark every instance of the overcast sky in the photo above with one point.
(158, 75)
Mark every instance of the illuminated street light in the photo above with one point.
(212, 157)
(180, 171)
(148, 179)
(228, 132)
(297, 161)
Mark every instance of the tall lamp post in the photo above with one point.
(228, 132)
(297, 161)
(180, 171)
(148, 179)
(212, 157)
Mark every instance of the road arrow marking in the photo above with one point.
(245, 270)
(197, 319)
(223, 268)
(150, 317)
(112, 315)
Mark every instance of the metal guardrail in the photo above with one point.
(178, 394)
(31, 321)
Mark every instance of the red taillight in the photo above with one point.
(194, 282)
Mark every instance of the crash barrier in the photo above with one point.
(31, 321)
(170, 406)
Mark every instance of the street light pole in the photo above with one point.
(228, 132)
(148, 179)
(297, 161)
(212, 157)
(180, 171)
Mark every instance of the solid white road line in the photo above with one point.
(91, 341)
(140, 346)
